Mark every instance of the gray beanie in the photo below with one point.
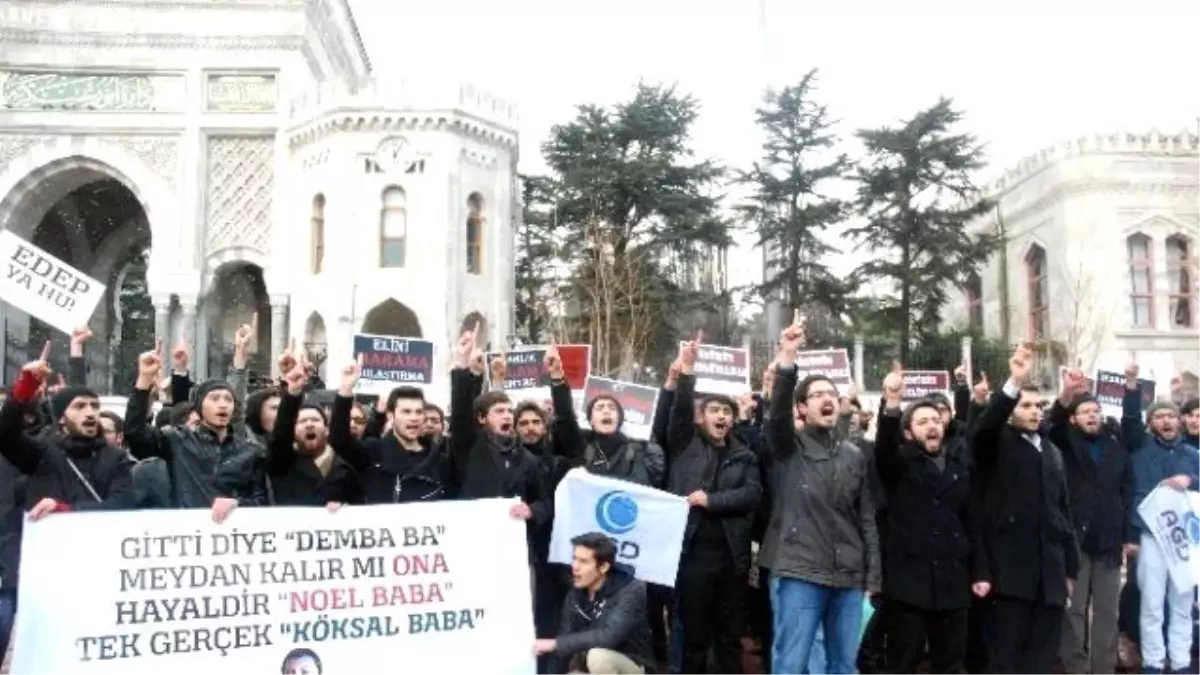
(1160, 405)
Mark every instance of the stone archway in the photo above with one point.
(392, 318)
(90, 216)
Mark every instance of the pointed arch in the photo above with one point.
(1038, 282)
(392, 318)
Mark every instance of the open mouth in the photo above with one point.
(506, 428)
(720, 427)
(310, 435)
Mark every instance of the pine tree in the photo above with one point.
(634, 212)
(916, 194)
(787, 208)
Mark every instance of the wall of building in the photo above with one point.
(1079, 201)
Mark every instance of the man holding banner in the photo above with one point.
(1160, 458)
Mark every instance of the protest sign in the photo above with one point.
(526, 377)
(832, 363)
(151, 592)
(638, 403)
(390, 362)
(921, 383)
(43, 286)
(1110, 392)
(1172, 516)
(646, 524)
(722, 370)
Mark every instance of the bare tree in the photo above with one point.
(1087, 316)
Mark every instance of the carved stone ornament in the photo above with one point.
(241, 189)
(83, 92)
(159, 154)
(241, 93)
(13, 146)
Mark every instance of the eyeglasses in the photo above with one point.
(827, 393)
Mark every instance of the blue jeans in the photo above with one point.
(800, 610)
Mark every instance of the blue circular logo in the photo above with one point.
(616, 512)
(1191, 526)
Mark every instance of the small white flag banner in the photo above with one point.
(646, 524)
(41, 285)
(1172, 516)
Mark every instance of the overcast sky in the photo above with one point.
(1024, 81)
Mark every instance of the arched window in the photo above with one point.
(974, 302)
(1141, 279)
(318, 233)
(475, 222)
(1039, 292)
(1181, 281)
(393, 227)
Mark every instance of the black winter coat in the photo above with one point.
(48, 460)
(1025, 520)
(202, 467)
(932, 553)
(1101, 496)
(730, 476)
(388, 473)
(295, 479)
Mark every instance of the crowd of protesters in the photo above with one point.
(993, 530)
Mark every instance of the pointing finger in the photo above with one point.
(46, 351)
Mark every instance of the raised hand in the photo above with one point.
(179, 355)
(1131, 375)
(982, 389)
(498, 368)
(350, 374)
(792, 340)
(893, 385)
(149, 367)
(287, 360)
(465, 347)
(553, 361)
(1020, 365)
(689, 353)
(39, 369)
(79, 336)
(960, 374)
(296, 378)
(477, 361)
(1074, 382)
(245, 333)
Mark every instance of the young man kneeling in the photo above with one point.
(605, 628)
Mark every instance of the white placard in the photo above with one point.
(45, 287)
(153, 592)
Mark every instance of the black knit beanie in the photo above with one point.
(202, 390)
(62, 400)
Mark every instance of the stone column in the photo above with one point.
(279, 330)
(966, 361)
(188, 329)
(162, 322)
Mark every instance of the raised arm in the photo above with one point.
(281, 445)
(142, 437)
(464, 380)
(1133, 429)
(77, 365)
(341, 439)
(682, 425)
(567, 439)
(22, 450)
(779, 429)
(889, 435)
(985, 438)
(662, 411)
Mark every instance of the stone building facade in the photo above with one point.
(247, 147)
(1099, 254)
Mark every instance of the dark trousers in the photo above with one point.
(712, 606)
(980, 628)
(1027, 636)
(908, 630)
(659, 599)
(872, 654)
(551, 583)
(761, 619)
